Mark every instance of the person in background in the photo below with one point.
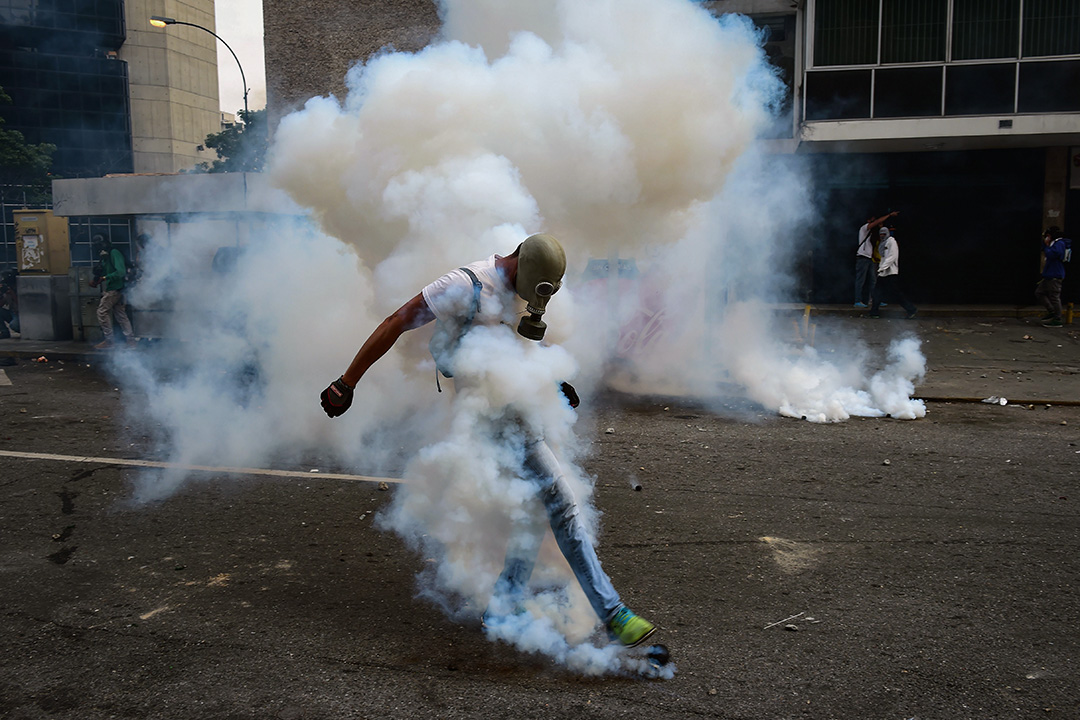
(112, 275)
(888, 283)
(865, 262)
(9, 304)
(1049, 290)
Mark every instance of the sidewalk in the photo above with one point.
(972, 352)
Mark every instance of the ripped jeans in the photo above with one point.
(542, 469)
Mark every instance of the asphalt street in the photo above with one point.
(873, 568)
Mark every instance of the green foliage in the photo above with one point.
(20, 162)
(240, 148)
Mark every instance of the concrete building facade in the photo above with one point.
(309, 45)
(111, 92)
(173, 84)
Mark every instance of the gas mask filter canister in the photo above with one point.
(540, 269)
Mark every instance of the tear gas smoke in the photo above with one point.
(624, 128)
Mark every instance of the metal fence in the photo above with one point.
(118, 229)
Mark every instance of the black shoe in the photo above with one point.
(875, 317)
(911, 315)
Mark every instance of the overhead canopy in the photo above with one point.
(207, 193)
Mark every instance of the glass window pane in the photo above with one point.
(907, 92)
(980, 89)
(838, 95)
(1051, 27)
(845, 32)
(1049, 87)
(985, 29)
(913, 30)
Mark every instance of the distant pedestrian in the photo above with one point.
(865, 262)
(9, 304)
(112, 274)
(1055, 251)
(888, 282)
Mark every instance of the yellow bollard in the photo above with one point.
(1068, 314)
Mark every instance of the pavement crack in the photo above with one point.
(86, 473)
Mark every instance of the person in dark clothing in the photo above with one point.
(1049, 290)
(9, 305)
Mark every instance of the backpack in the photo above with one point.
(444, 342)
(132, 272)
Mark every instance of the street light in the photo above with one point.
(159, 22)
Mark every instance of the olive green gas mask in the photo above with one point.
(540, 269)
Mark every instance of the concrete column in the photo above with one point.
(1055, 185)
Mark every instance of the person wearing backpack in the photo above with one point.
(1056, 252)
(867, 259)
(112, 275)
(498, 295)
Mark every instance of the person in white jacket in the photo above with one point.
(888, 284)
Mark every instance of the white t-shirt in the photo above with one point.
(451, 299)
(451, 296)
(866, 242)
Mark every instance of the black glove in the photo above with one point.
(571, 394)
(337, 398)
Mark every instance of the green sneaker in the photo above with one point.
(629, 629)
(1053, 322)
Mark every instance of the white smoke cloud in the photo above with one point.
(623, 127)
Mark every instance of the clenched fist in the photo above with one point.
(336, 398)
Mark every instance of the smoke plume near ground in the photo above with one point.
(623, 127)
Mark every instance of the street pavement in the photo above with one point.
(873, 568)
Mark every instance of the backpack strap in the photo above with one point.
(466, 324)
(478, 287)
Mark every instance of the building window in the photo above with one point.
(838, 95)
(1002, 57)
(980, 89)
(115, 229)
(907, 92)
(1049, 87)
(1051, 27)
(913, 30)
(846, 32)
(985, 29)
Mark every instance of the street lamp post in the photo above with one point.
(160, 22)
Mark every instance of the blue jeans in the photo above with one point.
(542, 469)
(864, 269)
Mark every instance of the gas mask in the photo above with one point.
(540, 269)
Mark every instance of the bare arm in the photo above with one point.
(412, 314)
(877, 223)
